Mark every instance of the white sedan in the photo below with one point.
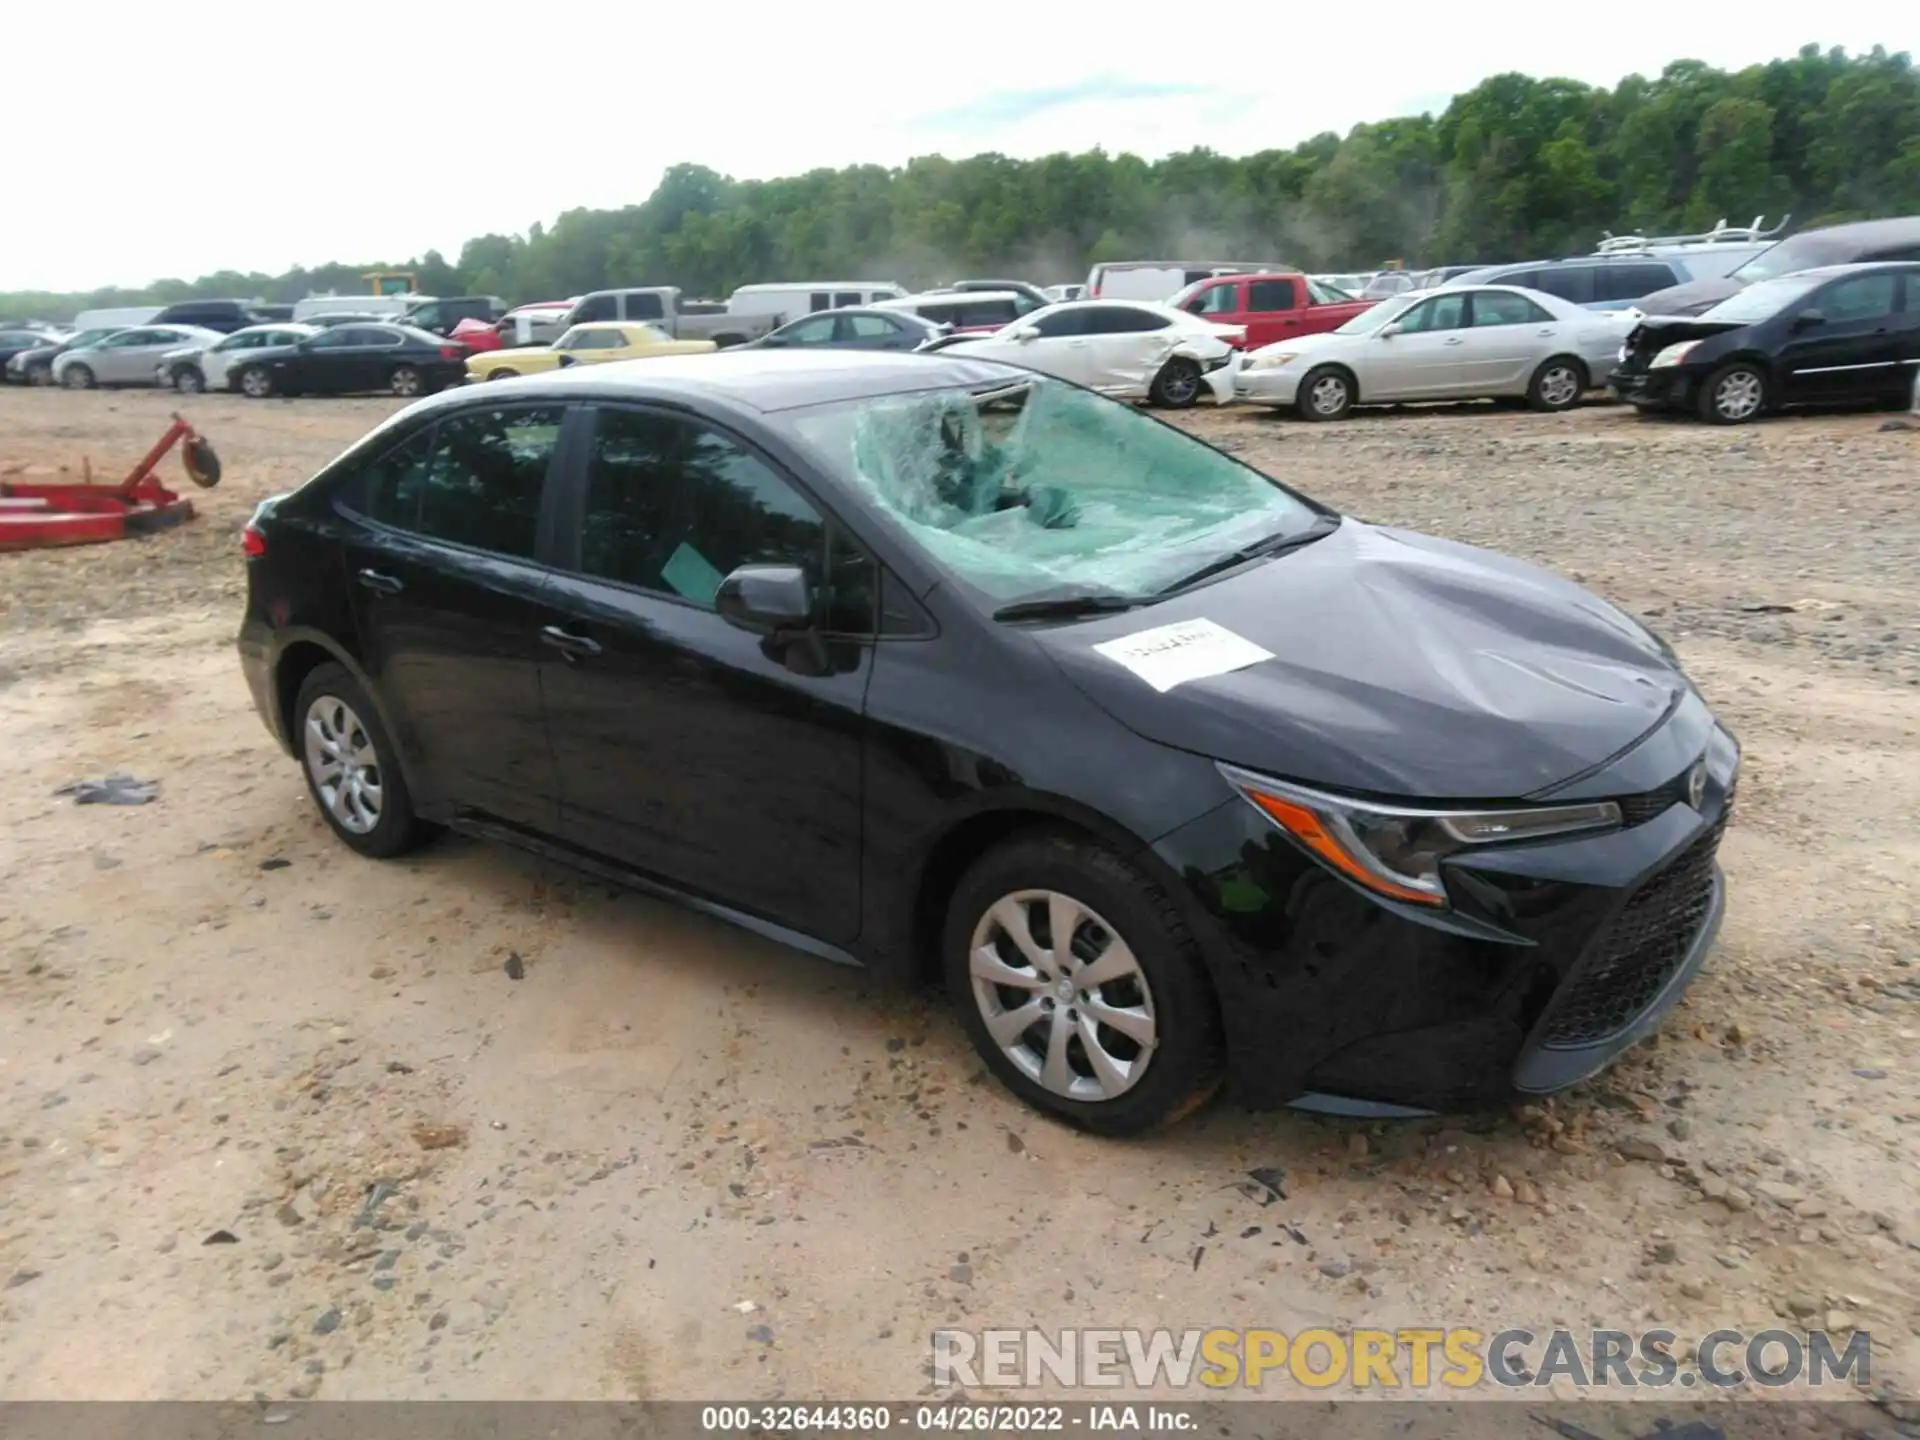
(1477, 342)
(1129, 349)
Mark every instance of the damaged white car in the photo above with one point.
(1129, 349)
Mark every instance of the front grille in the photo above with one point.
(1651, 804)
(1629, 964)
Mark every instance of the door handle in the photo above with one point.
(380, 584)
(1454, 340)
(568, 643)
(1546, 333)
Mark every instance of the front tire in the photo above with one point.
(1557, 385)
(189, 381)
(1177, 386)
(39, 375)
(78, 377)
(404, 382)
(1111, 1026)
(1734, 394)
(255, 383)
(1325, 394)
(350, 766)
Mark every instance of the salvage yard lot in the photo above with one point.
(278, 1120)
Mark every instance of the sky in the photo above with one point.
(178, 140)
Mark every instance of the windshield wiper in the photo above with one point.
(1322, 527)
(1061, 607)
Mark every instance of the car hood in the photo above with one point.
(1655, 332)
(1690, 298)
(1402, 665)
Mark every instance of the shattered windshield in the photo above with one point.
(1036, 488)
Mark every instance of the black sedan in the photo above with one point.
(941, 667)
(1839, 334)
(850, 329)
(349, 359)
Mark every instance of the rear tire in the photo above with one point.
(1325, 394)
(1557, 385)
(1735, 394)
(1177, 386)
(254, 382)
(78, 377)
(1071, 1060)
(502, 374)
(405, 382)
(350, 765)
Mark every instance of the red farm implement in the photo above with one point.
(33, 514)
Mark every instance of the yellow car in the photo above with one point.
(589, 344)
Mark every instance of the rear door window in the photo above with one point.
(644, 306)
(1269, 295)
(1123, 320)
(475, 479)
(1498, 307)
(1631, 281)
(1572, 283)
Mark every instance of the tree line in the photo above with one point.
(1516, 168)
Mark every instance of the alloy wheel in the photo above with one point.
(343, 765)
(255, 383)
(1062, 995)
(188, 382)
(406, 381)
(1180, 386)
(1738, 396)
(1328, 396)
(1560, 386)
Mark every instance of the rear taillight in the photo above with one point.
(253, 542)
(453, 352)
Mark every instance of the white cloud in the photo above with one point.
(259, 136)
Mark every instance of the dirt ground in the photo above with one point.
(275, 1120)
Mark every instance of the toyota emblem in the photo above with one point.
(1697, 784)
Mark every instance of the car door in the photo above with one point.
(1854, 352)
(1425, 357)
(714, 759)
(1274, 310)
(1907, 332)
(441, 542)
(217, 363)
(873, 332)
(1059, 345)
(1125, 347)
(816, 332)
(1507, 335)
(130, 357)
(320, 365)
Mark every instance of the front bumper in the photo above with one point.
(1267, 387)
(1555, 958)
(1221, 381)
(1665, 389)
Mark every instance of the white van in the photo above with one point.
(788, 301)
(388, 307)
(1162, 279)
(124, 316)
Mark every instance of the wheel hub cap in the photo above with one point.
(1062, 995)
(343, 765)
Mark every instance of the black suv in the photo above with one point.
(226, 316)
(440, 316)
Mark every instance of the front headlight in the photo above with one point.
(1268, 362)
(1673, 355)
(1395, 852)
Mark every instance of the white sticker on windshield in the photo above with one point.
(1189, 650)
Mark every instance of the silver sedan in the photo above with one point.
(126, 357)
(1472, 343)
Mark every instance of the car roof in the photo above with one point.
(1856, 267)
(942, 297)
(767, 381)
(1868, 232)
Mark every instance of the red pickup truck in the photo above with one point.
(1274, 306)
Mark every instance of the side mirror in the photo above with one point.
(1388, 330)
(766, 599)
(1807, 319)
